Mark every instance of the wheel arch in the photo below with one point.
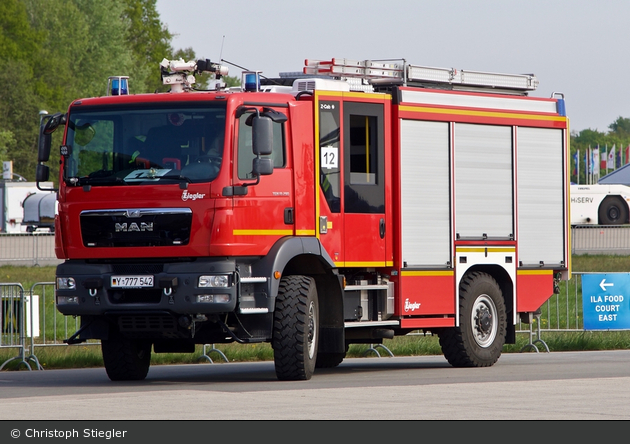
(306, 256)
(506, 284)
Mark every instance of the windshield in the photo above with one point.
(125, 145)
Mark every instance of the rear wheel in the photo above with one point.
(613, 211)
(295, 328)
(479, 339)
(126, 359)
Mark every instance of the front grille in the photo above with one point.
(146, 227)
(135, 296)
(131, 268)
(147, 323)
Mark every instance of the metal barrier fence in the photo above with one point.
(595, 239)
(28, 249)
(560, 313)
(31, 321)
(16, 319)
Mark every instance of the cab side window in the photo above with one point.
(245, 153)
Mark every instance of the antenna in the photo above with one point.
(221, 53)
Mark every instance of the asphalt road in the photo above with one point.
(522, 386)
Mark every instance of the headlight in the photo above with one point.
(67, 300)
(216, 281)
(66, 283)
(213, 298)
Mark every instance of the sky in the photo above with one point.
(577, 48)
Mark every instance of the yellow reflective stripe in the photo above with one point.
(364, 264)
(317, 154)
(262, 232)
(534, 272)
(352, 94)
(305, 232)
(463, 112)
(484, 249)
(427, 273)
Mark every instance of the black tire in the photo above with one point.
(613, 211)
(126, 359)
(479, 339)
(295, 329)
(329, 360)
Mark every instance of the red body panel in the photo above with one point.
(533, 289)
(426, 293)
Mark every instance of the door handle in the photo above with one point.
(381, 228)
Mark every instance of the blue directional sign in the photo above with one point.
(606, 301)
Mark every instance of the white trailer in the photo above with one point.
(12, 197)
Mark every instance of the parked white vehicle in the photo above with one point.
(605, 203)
(600, 204)
(12, 197)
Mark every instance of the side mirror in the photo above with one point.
(274, 115)
(43, 149)
(262, 135)
(262, 166)
(53, 122)
(42, 173)
(49, 125)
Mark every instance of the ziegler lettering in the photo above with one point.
(411, 306)
(188, 196)
(143, 226)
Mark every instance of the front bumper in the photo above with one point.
(175, 288)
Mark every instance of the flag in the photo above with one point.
(618, 163)
(627, 154)
(596, 161)
(587, 164)
(575, 159)
(577, 166)
(604, 157)
(611, 158)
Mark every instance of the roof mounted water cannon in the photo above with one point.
(208, 66)
(181, 74)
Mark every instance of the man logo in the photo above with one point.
(143, 226)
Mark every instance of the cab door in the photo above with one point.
(365, 228)
(352, 208)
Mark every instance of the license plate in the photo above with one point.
(132, 281)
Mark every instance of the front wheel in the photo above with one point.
(329, 360)
(295, 328)
(126, 359)
(479, 339)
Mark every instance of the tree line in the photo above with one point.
(586, 140)
(53, 52)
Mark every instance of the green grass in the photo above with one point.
(557, 314)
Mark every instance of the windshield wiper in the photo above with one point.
(108, 180)
(177, 177)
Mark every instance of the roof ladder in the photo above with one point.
(400, 72)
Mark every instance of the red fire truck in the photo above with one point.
(351, 202)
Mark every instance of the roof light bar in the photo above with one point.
(118, 86)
